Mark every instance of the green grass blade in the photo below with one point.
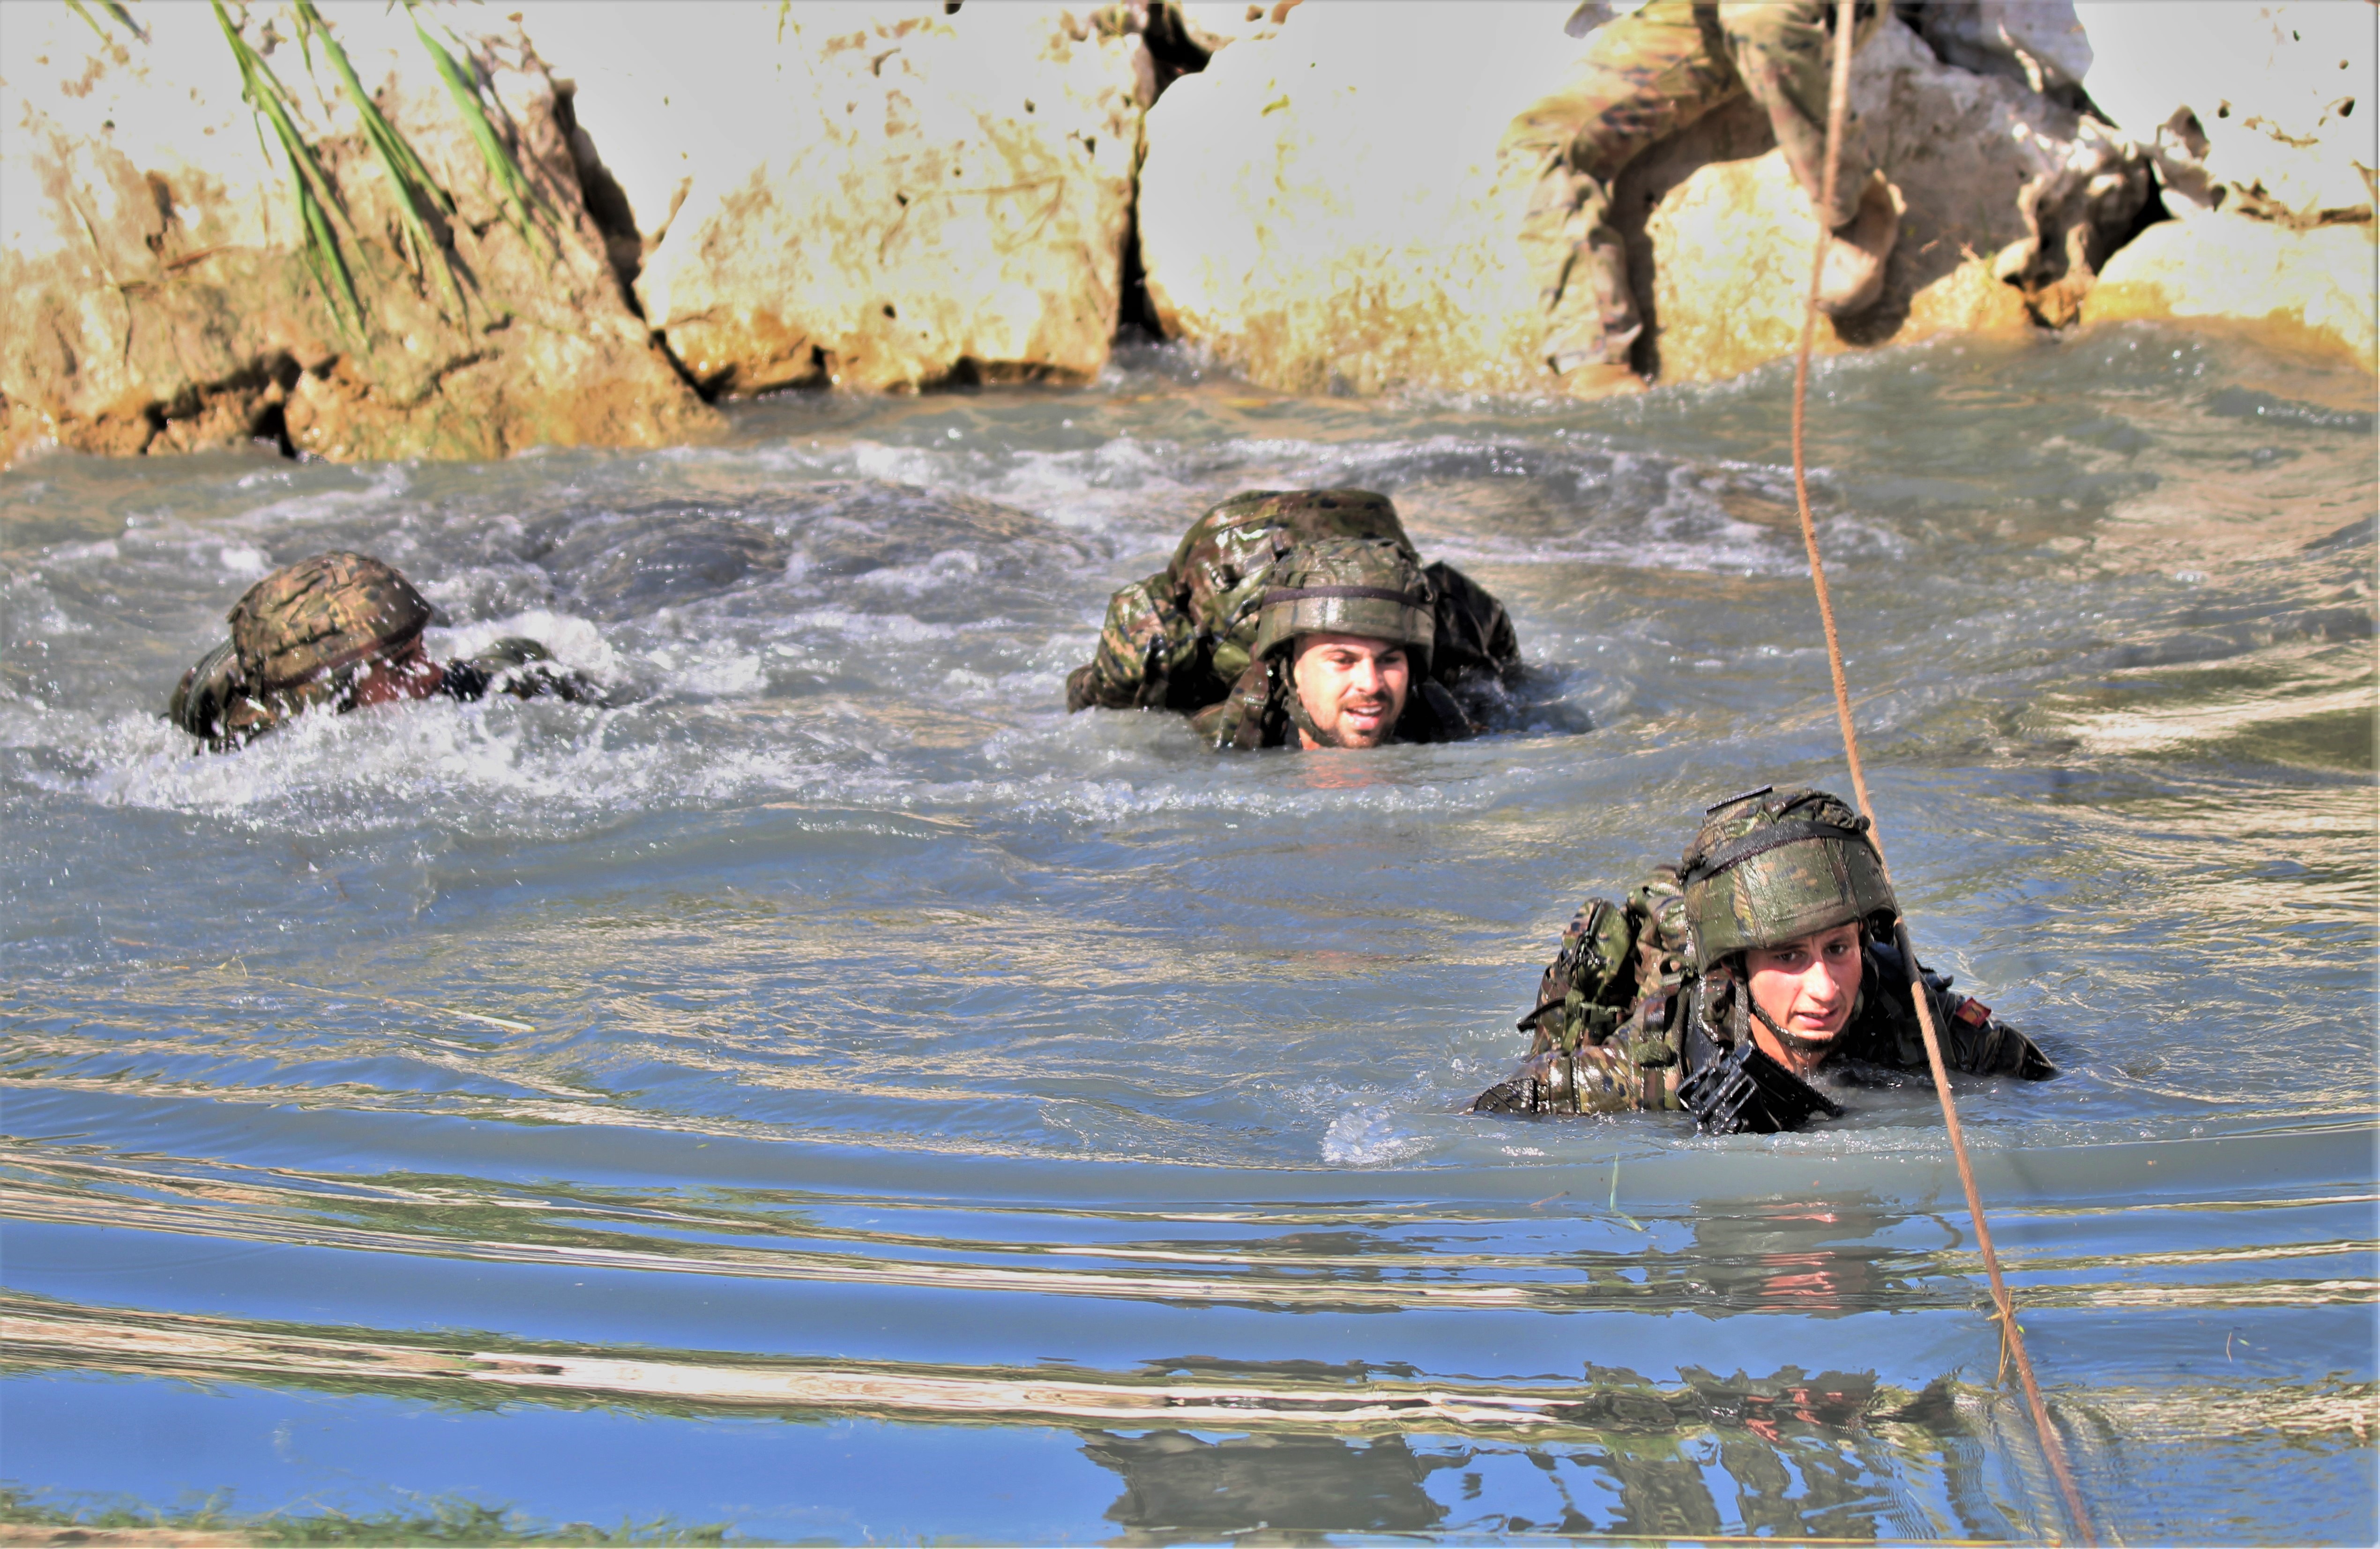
(520, 200)
(115, 10)
(265, 93)
(76, 7)
(310, 187)
(124, 18)
(417, 191)
(418, 180)
(323, 245)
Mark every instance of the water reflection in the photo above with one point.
(1827, 1256)
(1293, 1488)
(1794, 1455)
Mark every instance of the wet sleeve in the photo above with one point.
(1979, 1043)
(1603, 1078)
(1432, 715)
(199, 698)
(1143, 641)
(1974, 1040)
(212, 703)
(1246, 717)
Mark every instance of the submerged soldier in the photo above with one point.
(1303, 619)
(1646, 77)
(342, 630)
(1765, 960)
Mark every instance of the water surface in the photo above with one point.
(833, 1093)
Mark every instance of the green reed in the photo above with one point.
(115, 8)
(310, 187)
(521, 202)
(419, 195)
(417, 192)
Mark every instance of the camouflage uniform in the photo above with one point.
(1646, 77)
(306, 634)
(1644, 994)
(1184, 639)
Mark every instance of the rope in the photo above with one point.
(2012, 1337)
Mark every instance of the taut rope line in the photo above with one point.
(2012, 1338)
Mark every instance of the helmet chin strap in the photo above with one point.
(1793, 1041)
(1299, 716)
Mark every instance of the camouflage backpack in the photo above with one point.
(1182, 638)
(1614, 960)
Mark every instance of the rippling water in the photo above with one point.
(833, 1093)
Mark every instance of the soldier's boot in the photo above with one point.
(1850, 279)
(1581, 269)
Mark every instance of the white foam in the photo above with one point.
(245, 559)
(1368, 1137)
(575, 642)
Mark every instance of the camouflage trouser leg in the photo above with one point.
(1784, 51)
(1645, 78)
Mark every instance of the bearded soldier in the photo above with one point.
(1763, 962)
(1303, 619)
(342, 630)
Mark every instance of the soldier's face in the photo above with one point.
(409, 674)
(1353, 687)
(1807, 986)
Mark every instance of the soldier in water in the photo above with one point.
(1303, 619)
(1647, 76)
(1727, 985)
(342, 630)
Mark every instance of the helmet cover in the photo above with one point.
(1776, 866)
(306, 622)
(1234, 537)
(1369, 586)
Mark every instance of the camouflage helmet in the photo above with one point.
(1371, 586)
(306, 622)
(1775, 865)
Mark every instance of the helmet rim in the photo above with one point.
(1332, 588)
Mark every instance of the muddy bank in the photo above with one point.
(367, 235)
